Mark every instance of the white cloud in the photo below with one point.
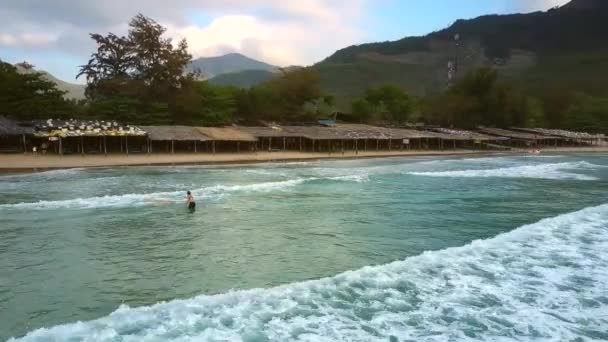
(281, 32)
(537, 5)
(27, 39)
(280, 43)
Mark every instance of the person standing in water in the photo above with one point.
(190, 201)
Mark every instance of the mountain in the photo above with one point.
(564, 46)
(243, 79)
(73, 91)
(226, 64)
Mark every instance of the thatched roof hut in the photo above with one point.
(226, 134)
(562, 133)
(515, 135)
(457, 134)
(10, 127)
(269, 132)
(174, 133)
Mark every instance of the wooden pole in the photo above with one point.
(356, 146)
(82, 146)
(377, 145)
(238, 147)
(313, 145)
(390, 143)
(194, 146)
(365, 145)
(105, 146)
(284, 143)
(172, 146)
(127, 144)
(24, 144)
(213, 146)
(300, 144)
(60, 146)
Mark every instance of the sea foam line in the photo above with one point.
(555, 171)
(544, 281)
(162, 198)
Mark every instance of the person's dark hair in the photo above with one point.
(188, 192)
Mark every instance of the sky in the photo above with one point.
(53, 35)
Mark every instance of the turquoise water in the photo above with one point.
(500, 248)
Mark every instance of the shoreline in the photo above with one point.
(20, 163)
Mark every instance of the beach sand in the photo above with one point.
(29, 162)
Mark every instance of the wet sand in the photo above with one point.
(29, 162)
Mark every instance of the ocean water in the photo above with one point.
(499, 248)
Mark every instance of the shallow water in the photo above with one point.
(459, 249)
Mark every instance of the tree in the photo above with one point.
(362, 110)
(131, 77)
(284, 98)
(392, 101)
(154, 59)
(587, 112)
(200, 103)
(29, 95)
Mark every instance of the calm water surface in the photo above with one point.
(105, 246)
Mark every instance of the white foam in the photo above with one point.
(541, 171)
(545, 282)
(160, 198)
(45, 174)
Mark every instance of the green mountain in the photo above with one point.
(73, 91)
(210, 67)
(562, 47)
(243, 79)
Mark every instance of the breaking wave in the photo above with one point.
(541, 171)
(163, 198)
(545, 281)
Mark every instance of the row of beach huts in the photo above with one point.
(111, 137)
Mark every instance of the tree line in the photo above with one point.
(141, 78)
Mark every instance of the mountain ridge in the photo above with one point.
(563, 47)
(210, 67)
(73, 90)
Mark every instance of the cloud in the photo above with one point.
(281, 43)
(537, 5)
(282, 32)
(26, 39)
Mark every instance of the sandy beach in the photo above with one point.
(29, 162)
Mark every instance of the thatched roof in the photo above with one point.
(177, 133)
(457, 134)
(269, 132)
(226, 134)
(514, 135)
(562, 133)
(339, 132)
(10, 127)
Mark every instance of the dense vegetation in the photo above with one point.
(27, 95)
(564, 47)
(143, 78)
(579, 26)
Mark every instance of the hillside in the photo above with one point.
(243, 79)
(226, 64)
(564, 46)
(73, 91)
